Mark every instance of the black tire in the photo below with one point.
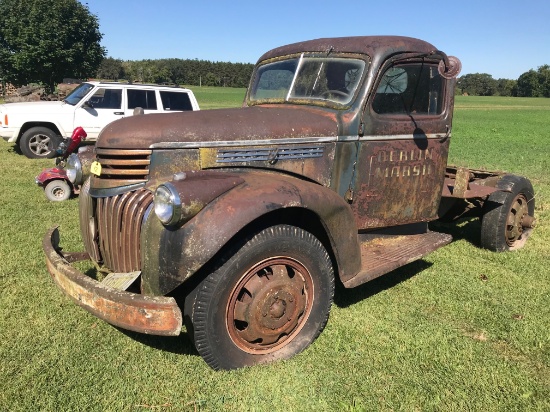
(39, 143)
(269, 300)
(508, 215)
(57, 190)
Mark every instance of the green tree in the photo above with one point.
(43, 41)
(175, 70)
(544, 79)
(528, 85)
(477, 84)
(506, 87)
(111, 69)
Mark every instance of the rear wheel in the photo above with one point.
(57, 190)
(508, 215)
(39, 143)
(269, 300)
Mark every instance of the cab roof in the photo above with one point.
(374, 46)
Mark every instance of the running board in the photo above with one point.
(380, 255)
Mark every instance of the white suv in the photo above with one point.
(38, 127)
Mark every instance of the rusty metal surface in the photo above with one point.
(472, 190)
(111, 227)
(172, 256)
(121, 167)
(198, 188)
(247, 124)
(399, 182)
(374, 46)
(312, 161)
(88, 227)
(140, 313)
(384, 254)
(465, 183)
(118, 220)
(280, 306)
(391, 172)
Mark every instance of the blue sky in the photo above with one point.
(504, 38)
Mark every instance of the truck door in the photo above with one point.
(105, 106)
(402, 152)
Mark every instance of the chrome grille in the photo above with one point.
(111, 227)
(268, 154)
(124, 167)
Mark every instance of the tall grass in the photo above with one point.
(462, 329)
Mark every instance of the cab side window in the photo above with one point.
(145, 99)
(175, 101)
(106, 99)
(408, 89)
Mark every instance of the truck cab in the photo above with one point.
(239, 222)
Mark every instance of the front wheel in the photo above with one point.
(269, 300)
(57, 190)
(39, 143)
(508, 215)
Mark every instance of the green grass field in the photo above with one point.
(462, 329)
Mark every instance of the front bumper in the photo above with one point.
(155, 315)
(8, 134)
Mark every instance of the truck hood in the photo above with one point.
(33, 107)
(221, 125)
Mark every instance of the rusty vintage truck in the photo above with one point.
(239, 222)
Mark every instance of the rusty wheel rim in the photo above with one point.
(269, 305)
(514, 220)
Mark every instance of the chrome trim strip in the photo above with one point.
(236, 143)
(296, 140)
(405, 136)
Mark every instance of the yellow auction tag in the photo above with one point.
(96, 168)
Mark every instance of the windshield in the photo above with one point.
(77, 94)
(312, 80)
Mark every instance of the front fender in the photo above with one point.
(172, 255)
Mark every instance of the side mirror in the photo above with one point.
(88, 105)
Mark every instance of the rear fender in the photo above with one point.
(173, 254)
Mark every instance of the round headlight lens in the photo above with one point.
(73, 169)
(167, 204)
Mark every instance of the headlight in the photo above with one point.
(167, 204)
(73, 169)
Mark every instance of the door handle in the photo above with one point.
(119, 113)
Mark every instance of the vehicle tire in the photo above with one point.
(39, 143)
(508, 215)
(268, 300)
(57, 190)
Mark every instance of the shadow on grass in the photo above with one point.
(179, 345)
(468, 229)
(346, 297)
(15, 149)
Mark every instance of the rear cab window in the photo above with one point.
(410, 89)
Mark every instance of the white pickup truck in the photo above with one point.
(38, 127)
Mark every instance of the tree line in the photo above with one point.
(177, 71)
(45, 41)
(534, 83)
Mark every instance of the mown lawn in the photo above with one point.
(462, 329)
